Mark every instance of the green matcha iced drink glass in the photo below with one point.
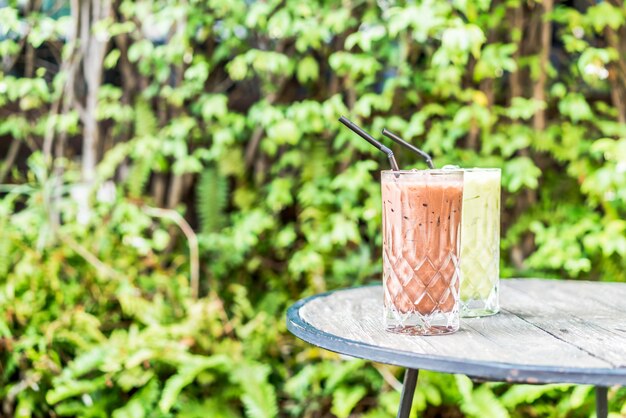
(480, 242)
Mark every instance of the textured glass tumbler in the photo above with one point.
(480, 242)
(421, 248)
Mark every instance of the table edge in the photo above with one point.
(494, 371)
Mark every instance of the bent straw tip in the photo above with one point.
(386, 132)
(369, 138)
(427, 158)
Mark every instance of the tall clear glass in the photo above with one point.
(421, 248)
(480, 242)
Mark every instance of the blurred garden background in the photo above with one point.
(173, 177)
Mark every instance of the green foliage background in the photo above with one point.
(225, 112)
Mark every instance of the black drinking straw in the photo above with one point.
(369, 138)
(413, 148)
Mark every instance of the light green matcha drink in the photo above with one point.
(480, 242)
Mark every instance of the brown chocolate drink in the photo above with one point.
(421, 240)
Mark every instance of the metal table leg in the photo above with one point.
(408, 390)
(602, 402)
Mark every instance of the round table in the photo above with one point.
(548, 331)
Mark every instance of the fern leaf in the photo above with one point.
(521, 394)
(5, 248)
(146, 123)
(259, 396)
(187, 374)
(146, 126)
(259, 400)
(341, 371)
(71, 388)
(345, 399)
(211, 200)
(139, 175)
(214, 408)
(141, 403)
(483, 404)
(112, 160)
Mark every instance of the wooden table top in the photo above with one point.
(548, 331)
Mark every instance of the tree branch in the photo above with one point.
(192, 239)
(515, 84)
(539, 93)
(91, 258)
(11, 155)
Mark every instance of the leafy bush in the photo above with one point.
(225, 112)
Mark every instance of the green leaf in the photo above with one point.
(522, 108)
(112, 58)
(367, 102)
(602, 15)
(457, 43)
(260, 401)
(186, 374)
(482, 403)
(214, 408)
(259, 396)
(300, 385)
(10, 20)
(140, 49)
(238, 68)
(279, 24)
(25, 405)
(284, 131)
(198, 72)
(520, 394)
(146, 123)
(141, 403)
(134, 378)
(520, 172)
(365, 37)
(354, 65)
(214, 106)
(187, 164)
(280, 195)
(212, 198)
(494, 60)
(308, 70)
(579, 395)
(575, 107)
(70, 388)
(424, 19)
(342, 371)
(269, 62)
(465, 385)
(345, 399)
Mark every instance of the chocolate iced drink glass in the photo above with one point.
(421, 248)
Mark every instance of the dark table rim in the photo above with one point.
(493, 371)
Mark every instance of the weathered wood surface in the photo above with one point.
(547, 331)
